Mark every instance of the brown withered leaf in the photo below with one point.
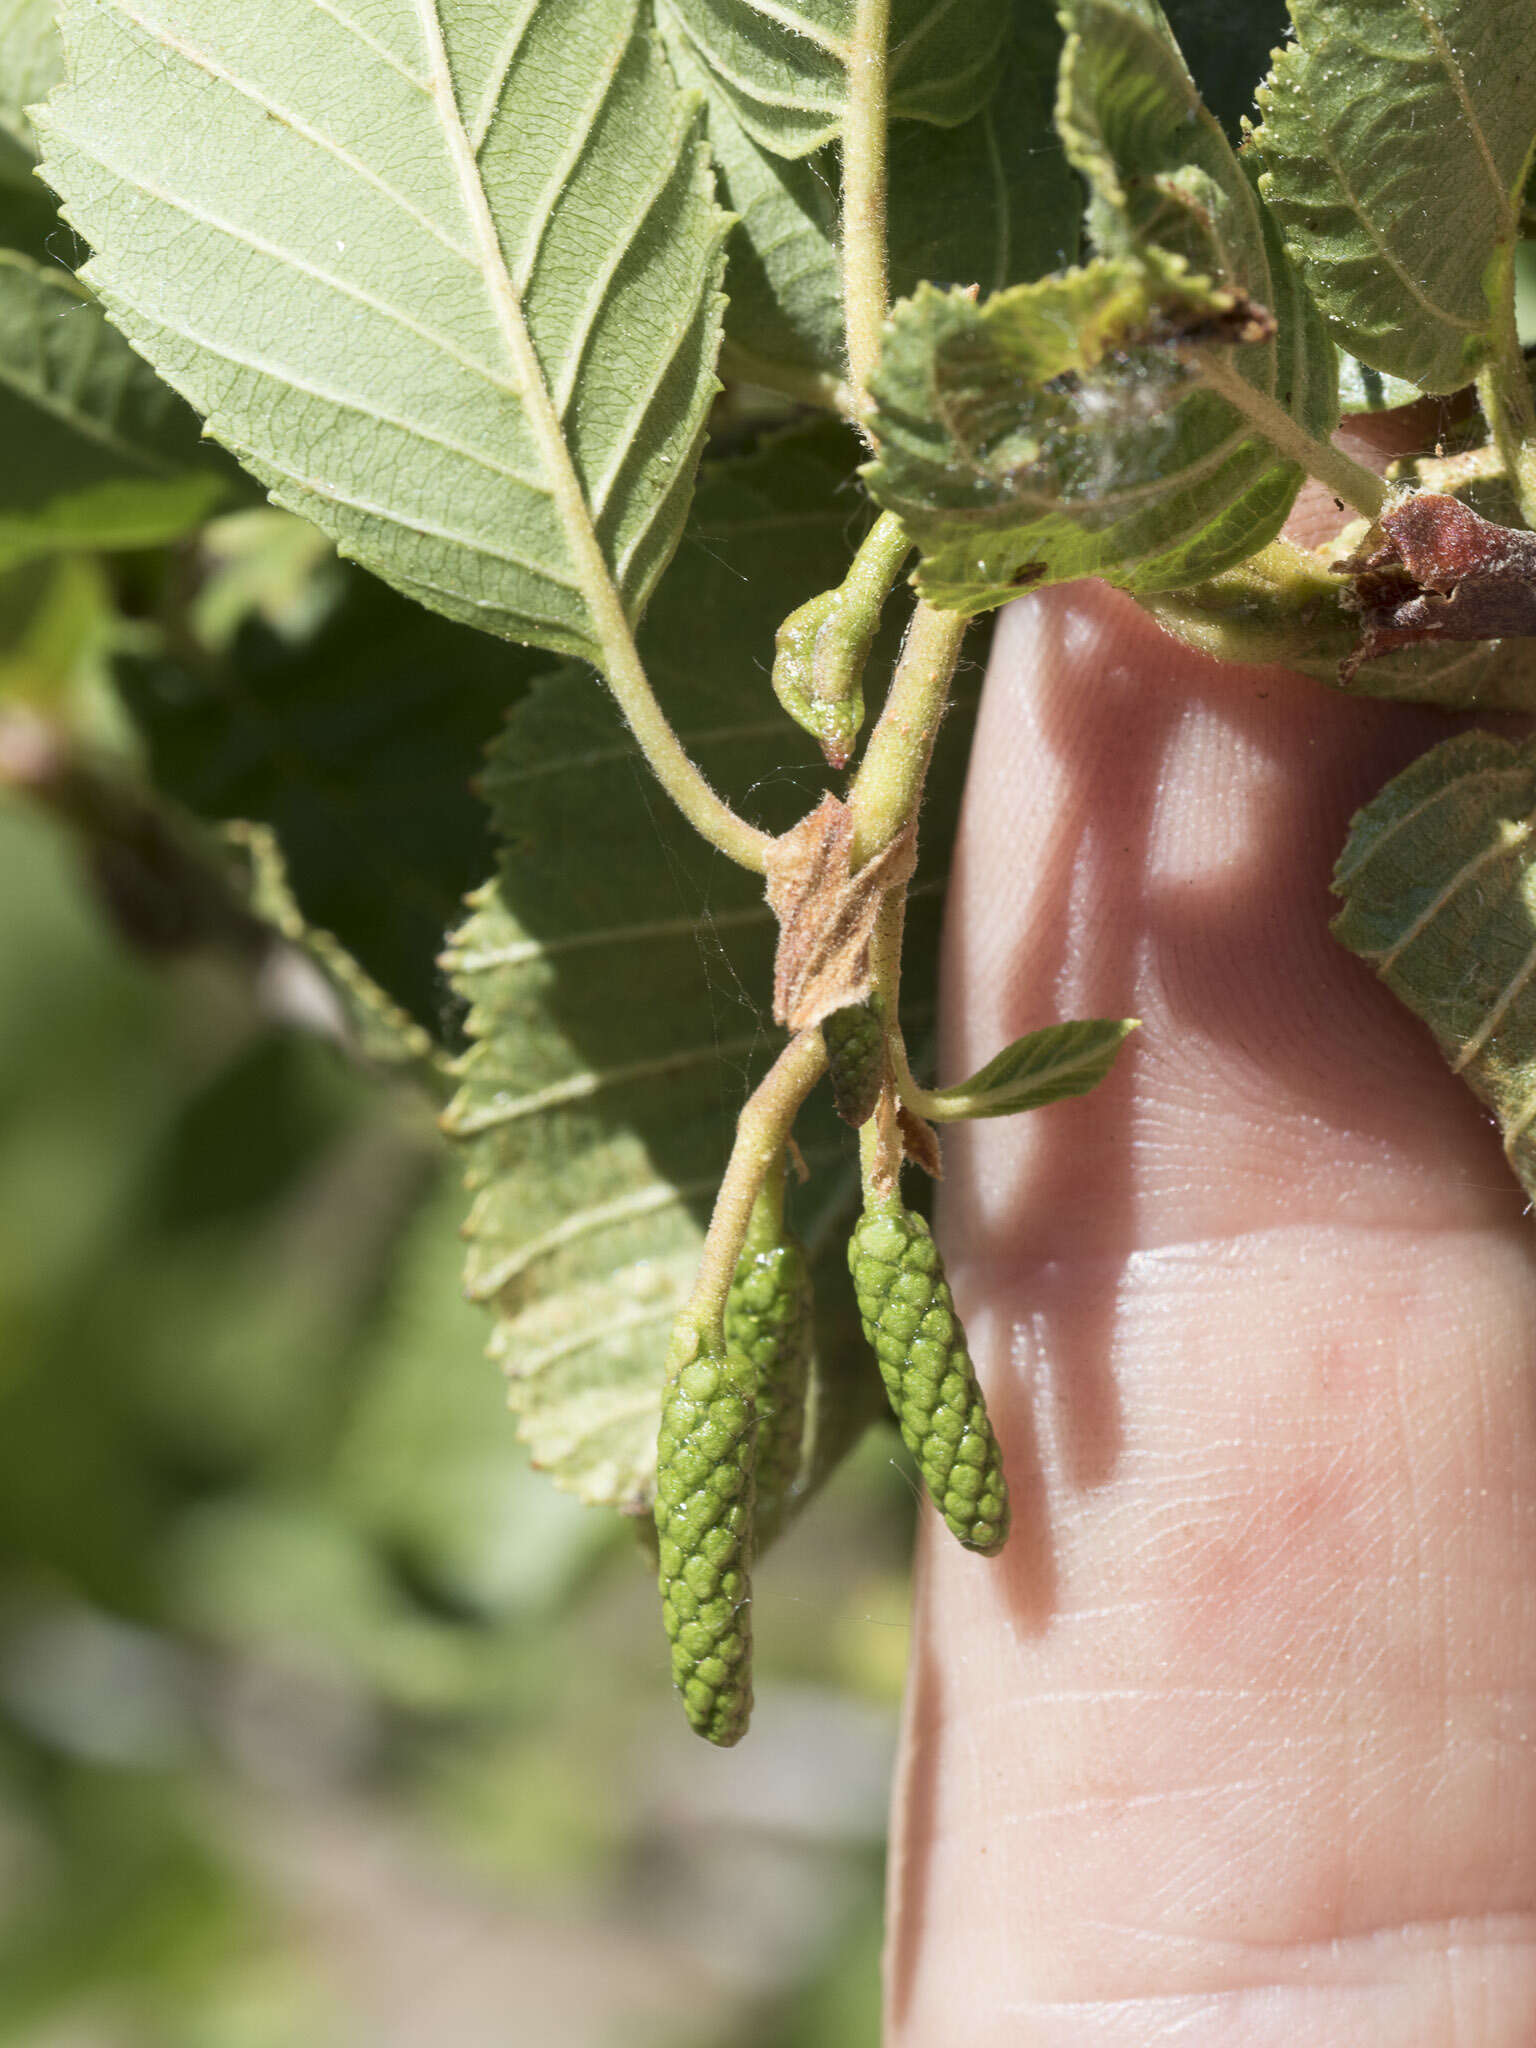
(1240, 319)
(920, 1142)
(826, 912)
(1432, 569)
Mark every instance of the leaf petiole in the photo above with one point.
(1346, 478)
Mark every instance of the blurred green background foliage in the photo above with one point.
(323, 1719)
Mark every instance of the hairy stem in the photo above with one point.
(1505, 396)
(880, 1154)
(1347, 479)
(889, 784)
(886, 796)
(709, 815)
(865, 287)
(762, 1131)
(765, 1226)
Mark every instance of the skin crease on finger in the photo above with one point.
(1235, 1745)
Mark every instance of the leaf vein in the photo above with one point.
(810, 31)
(647, 1201)
(583, 130)
(201, 61)
(373, 42)
(1463, 878)
(496, 1115)
(366, 407)
(523, 952)
(1497, 1013)
(623, 244)
(1450, 64)
(415, 523)
(496, 80)
(278, 254)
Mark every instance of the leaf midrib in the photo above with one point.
(605, 609)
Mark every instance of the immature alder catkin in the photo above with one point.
(704, 1501)
(854, 1039)
(768, 1322)
(909, 1318)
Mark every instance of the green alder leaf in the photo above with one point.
(1069, 427)
(1039, 436)
(1362, 389)
(1040, 1068)
(357, 741)
(991, 202)
(1162, 176)
(98, 453)
(443, 277)
(347, 1003)
(784, 63)
(1439, 886)
(1395, 141)
(31, 64)
(619, 981)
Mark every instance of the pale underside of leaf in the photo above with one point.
(596, 1105)
(351, 1007)
(1439, 886)
(1395, 140)
(31, 63)
(783, 64)
(443, 277)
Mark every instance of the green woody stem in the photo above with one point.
(865, 286)
(889, 784)
(762, 1131)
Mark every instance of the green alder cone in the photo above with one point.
(704, 1511)
(909, 1318)
(768, 1322)
(855, 1044)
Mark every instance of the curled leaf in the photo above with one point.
(1433, 569)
